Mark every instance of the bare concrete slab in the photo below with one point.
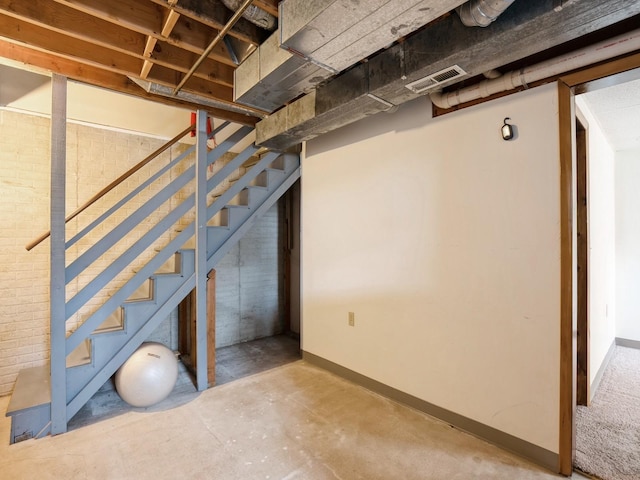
(293, 422)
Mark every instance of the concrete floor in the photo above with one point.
(232, 363)
(292, 422)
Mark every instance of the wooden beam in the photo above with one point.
(74, 23)
(148, 49)
(185, 33)
(145, 16)
(62, 45)
(172, 57)
(269, 6)
(81, 26)
(566, 449)
(105, 79)
(137, 15)
(146, 26)
(169, 22)
(215, 15)
(211, 328)
(84, 52)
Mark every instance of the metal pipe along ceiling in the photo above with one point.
(232, 21)
(598, 52)
(481, 13)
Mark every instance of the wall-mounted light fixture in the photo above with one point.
(507, 130)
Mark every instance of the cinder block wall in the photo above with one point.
(95, 157)
(249, 283)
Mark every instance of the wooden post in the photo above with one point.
(57, 279)
(211, 328)
(201, 250)
(187, 330)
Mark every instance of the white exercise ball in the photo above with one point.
(148, 376)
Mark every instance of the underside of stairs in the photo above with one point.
(109, 334)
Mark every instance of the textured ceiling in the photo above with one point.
(617, 110)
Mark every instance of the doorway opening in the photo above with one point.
(598, 324)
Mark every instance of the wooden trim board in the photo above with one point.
(568, 346)
(539, 455)
(584, 80)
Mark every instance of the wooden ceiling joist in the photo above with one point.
(154, 40)
(215, 15)
(105, 79)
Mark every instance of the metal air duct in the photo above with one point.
(481, 13)
(254, 14)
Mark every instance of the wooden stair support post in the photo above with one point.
(187, 329)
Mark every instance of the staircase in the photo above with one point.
(109, 331)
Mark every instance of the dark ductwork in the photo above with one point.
(481, 13)
(254, 14)
(434, 58)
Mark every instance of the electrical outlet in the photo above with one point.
(352, 319)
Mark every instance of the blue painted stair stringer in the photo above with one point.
(238, 226)
(262, 186)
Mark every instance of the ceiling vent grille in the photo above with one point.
(434, 80)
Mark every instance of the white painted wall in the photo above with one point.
(602, 248)
(627, 245)
(445, 242)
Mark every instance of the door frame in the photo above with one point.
(583, 374)
(621, 70)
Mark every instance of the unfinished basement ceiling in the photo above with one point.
(326, 64)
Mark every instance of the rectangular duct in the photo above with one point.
(319, 38)
(339, 33)
(271, 76)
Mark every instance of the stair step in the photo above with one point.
(143, 293)
(29, 407)
(81, 355)
(261, 180)
(241, 199)
(220, 219)
(113, 323)
(32, 389)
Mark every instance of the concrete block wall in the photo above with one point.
(250, 285)
(95, 157)
(24, 276)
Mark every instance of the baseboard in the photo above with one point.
(536, 454)
(605, 363)
(624, 342)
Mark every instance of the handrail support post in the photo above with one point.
(201, 251)
(57, 278)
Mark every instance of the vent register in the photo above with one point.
(435, 80)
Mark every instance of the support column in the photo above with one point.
(201, 251)
(57, 279)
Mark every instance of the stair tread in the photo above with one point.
(81, 355)
(32, 389)
(113, 323)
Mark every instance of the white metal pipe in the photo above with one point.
(597, 52)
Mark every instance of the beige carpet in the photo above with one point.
(608, 431)
(295, 422)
